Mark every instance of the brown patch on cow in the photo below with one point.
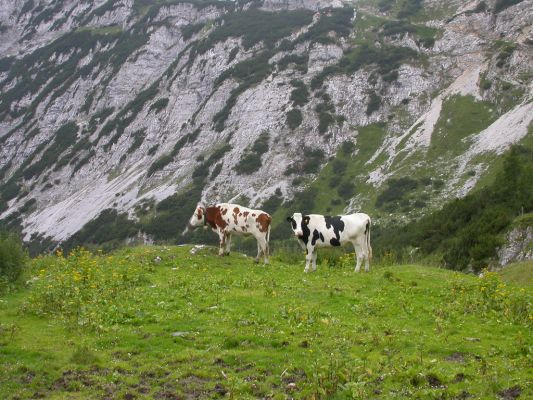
(213, 217)
(199, 214)
(245, 214)
(253, 214)
(235, 213)
(244, 229)
(224, 211)
(263, 222)
(240, 214)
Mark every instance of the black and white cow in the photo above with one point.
(315, 230)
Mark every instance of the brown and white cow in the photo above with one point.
(227, 219)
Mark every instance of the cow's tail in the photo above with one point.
(268, 238)
(367, 237)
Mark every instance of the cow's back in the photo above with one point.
(336, 230)
(244, 220)
(356, 224)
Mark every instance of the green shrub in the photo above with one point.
(325, 111)
(385, 58)
(83, 161)
(216, 171)
(385, 5)
(294, 118)
(251, 159)
(501, 5)
(313, 160)
(159, 164)
(347, 147)
(505, 54)
(300, 62)
(408, 8)
(64, 137)
(300, 94)
(138, 139)
(391, 28)
(485, 84)
(256, 26)
(260, 145)
(109, 228)
(272, 204)
(334, 181)
(374, 103)
(248, 163)
(10, 190)
(395, 191)
(339, 166)
(159, 105)
(189, 30)
(233, 53)
(13, 258)
(337, 20)
(346, 190)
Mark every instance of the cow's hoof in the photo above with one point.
(256, 261)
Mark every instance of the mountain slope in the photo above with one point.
(120, 104)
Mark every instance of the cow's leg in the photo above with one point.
(259, 251)
(314, 260)
(358, 256)
(364, 250)
(264, 248)
(308, 258)
(222, 244)
(228, 243)
(366, 255)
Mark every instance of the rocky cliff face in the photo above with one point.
(120, 104)
(518, 245)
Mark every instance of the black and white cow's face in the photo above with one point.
(299, 224)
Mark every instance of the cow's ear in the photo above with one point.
(306, 220)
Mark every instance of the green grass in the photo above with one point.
(461, 116)
(520, 273)
(200, 326)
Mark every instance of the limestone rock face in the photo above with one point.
(518, 247)
(166, 84)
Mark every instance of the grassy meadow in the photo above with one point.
(127, 325)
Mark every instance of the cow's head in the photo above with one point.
(197, 218)
(298, 224)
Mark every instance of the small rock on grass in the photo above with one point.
(179, 334)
